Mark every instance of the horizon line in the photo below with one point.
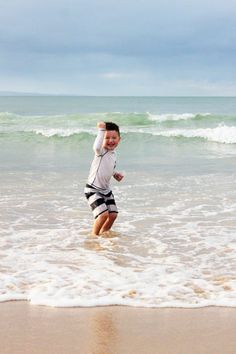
(22, 94)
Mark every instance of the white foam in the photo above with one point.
(220, 134)
(62, 132)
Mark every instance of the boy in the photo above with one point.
(97, 190)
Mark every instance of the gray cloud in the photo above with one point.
(97, 46)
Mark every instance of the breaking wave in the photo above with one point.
(219, 129)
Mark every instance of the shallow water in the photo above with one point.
(172, 247)
(174, 241)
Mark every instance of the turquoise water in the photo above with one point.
(51, 105)
(57, 132)
(175, 243)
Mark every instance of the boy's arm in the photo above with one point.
(97, 146)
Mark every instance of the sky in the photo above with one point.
(118, 47)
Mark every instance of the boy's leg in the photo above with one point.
(99, 222)
(113, 212)
(108, 222)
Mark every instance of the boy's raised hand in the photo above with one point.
(101, 125)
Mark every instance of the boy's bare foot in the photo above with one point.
(109, 234)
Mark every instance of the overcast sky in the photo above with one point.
(118, 47)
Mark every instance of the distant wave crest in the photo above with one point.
(175, 117)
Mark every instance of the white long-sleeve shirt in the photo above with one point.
(103, 165)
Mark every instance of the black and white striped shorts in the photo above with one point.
(99, 202)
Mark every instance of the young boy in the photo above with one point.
(97, 190)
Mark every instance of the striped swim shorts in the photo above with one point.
(99, 202)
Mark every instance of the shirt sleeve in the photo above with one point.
(97, 146)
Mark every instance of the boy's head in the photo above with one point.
(112, 136)
(112, 126)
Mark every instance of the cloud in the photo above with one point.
(107, 46)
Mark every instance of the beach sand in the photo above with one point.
(30, 329)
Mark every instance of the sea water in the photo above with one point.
(175, 237)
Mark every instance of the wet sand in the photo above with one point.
(31, 329)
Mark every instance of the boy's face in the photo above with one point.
(111, 139)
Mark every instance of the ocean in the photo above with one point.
(175, 236)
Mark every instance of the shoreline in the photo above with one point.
(32, 329)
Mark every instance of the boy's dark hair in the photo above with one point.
(112, 126)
